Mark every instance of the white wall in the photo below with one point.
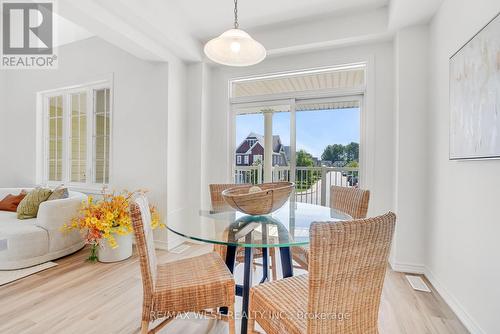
(463, 244)
(177, 155)
(3, 105)
(178, 158)
(148, 118)
(411, 68)
(198, 105)
(381, 114)
(324, 32)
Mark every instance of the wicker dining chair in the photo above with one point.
(198, 284)
(219, 204)
(353, 201)
(342, 291)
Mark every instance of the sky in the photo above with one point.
(315, 129)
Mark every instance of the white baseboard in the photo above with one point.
(174, 240)
(159, 244)
(449, 299)
(408, 268)
(454, 304)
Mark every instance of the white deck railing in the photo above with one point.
(312, 184)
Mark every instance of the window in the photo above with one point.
(55, 138)
(101, 135)
(238, 159)
(77, 136)
(313, 116)
(246, 159)
(257, 158)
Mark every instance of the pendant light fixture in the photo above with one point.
(235, 47)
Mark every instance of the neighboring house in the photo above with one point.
(288, 154)
(251, 151)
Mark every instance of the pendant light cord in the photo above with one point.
(236, 25)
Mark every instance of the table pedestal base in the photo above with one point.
(244, 290)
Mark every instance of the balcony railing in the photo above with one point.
(312, 184)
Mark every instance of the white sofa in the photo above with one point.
(28, 242)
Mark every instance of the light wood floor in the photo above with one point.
(79, 297)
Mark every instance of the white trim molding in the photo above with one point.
(407, 268)
(163, 245)
(457, 308)
(466, 319)
(42, 132)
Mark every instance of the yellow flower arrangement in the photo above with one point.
(101, 219)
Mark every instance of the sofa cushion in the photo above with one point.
(28, 208)
(59, 193)
(11, 202)
(21, 239)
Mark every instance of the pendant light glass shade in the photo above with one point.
(235, 48)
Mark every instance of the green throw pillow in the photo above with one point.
(28, 208)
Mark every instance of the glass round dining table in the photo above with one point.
(284, 228)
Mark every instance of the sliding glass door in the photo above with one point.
(312, 142)
(262, 140)
(328, 138)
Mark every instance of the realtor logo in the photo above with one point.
(27, 35)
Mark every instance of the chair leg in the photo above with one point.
(251, 319)
(144, 327)
(231, 319)
(300, 264)
(146, 314)
(274, 272)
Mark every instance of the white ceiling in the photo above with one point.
(65, 31)
(207, 18)
(404, 13)
(156, 29)
(68, 32)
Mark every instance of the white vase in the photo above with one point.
(124, 250)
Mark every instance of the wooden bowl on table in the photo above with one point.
(260, 199)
